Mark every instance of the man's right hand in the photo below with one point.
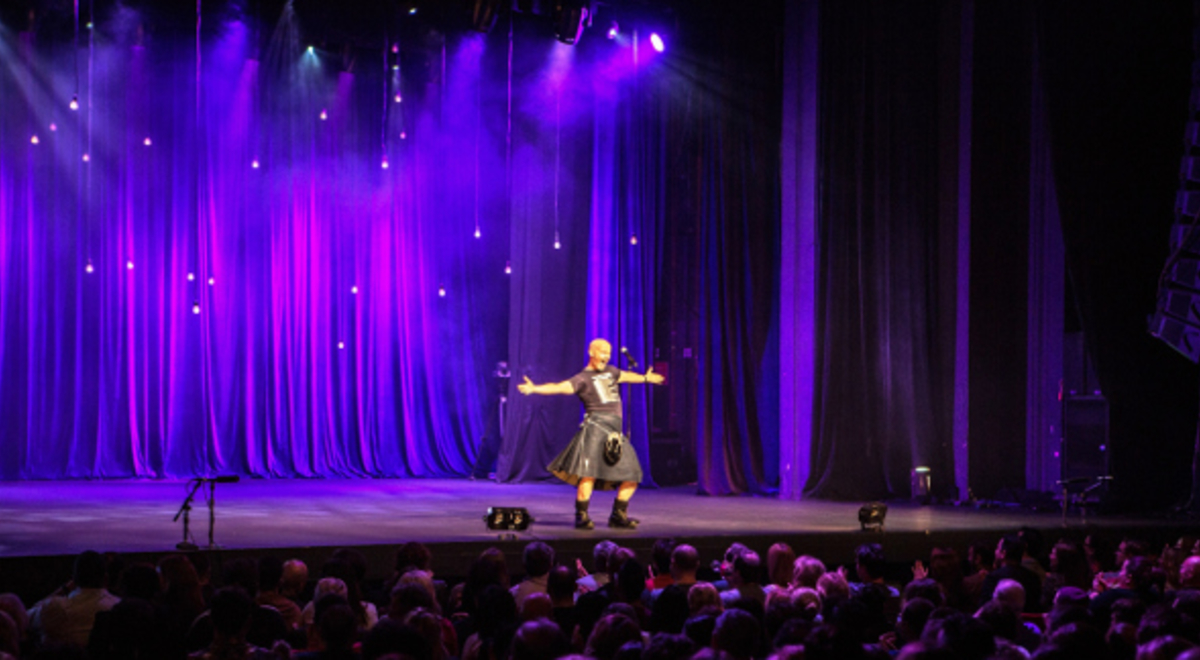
(526, 387)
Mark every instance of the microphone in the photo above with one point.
(629, 356)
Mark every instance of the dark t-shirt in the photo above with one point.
(598, 390)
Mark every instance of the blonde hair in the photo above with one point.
(702, 595)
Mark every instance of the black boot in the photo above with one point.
(620, 516)
(582, 521)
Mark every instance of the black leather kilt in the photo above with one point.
(598, 451)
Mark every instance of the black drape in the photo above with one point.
(1117, 82)
(882, 406)
(724, 140)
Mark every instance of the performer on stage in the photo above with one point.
(599, 456)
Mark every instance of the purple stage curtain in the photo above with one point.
(604, 133)
(881, 405)
(286, 370)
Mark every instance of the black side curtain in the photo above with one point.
(881, 406)
(1117, 81)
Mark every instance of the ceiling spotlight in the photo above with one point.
(657, 42)
(570, 17)
(613, 30)
(310, 50)
(412, 11)
(484, 16)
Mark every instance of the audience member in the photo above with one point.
(537, 559)
(67, 615)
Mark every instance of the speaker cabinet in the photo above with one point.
(1085, 437)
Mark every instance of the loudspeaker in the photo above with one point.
(1085, 437)
(508, 518)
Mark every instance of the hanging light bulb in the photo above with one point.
(254, 163)
(191, 277)
(384, 163)
(441, 291)
(395, 48)
(354, 289)
(87, 158)
(324, 115)
(341, 345)
(129, 265)
(34, 140)
(74, 105)
(477, 234)
(89, 268)
(147, 142)
(633, 240)
(53, 127)
(196, 307)
(508, 268)
(212, 281)
(398, 98)
(403, 135)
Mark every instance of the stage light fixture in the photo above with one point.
(657, 42)
(412, 11)
(483, 18)
(441, 292)
(34, 140)
(633, 240)
(508, 268)
(570, 18)
(196, 307)
(74, 103)
(147, 142)
(613, 30)
(89, 268)
(477, 234)
(399, 99)
(871, 515)
(508, 518)
(254, 163)
(324, 115)
(384, 163)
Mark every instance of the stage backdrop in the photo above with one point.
(244, 255)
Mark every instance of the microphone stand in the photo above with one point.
(185, 511)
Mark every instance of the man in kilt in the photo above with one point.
(599, 455)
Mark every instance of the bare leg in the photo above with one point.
(584, 492)
(626, 490)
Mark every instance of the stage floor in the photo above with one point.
(66, 517)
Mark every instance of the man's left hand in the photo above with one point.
(653, 378)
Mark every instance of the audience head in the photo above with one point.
(600, 555)
(702, 595)
(396, 639)
(737, 633)
(537, 559)
(1010, 549)
(807, 602)
(413, 555)
(536, 605)
(664, 646)
(270, 573)
(241, 572)
(406, 597)
(1189, 573)
(806, 570)
(1011, 594)
(90, 570)
(780, 559)
(140, 580)
(540, 639)
(670, 610)
(747, 567)
(660, 555)
(869, 560)
(231, 610)
(631, 581)
(981, 555)
(685, 561)
(560, 586)
(294, 579)
(612, 632)
(336, 622)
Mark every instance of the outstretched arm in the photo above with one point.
(648, 377)
(546, 388)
